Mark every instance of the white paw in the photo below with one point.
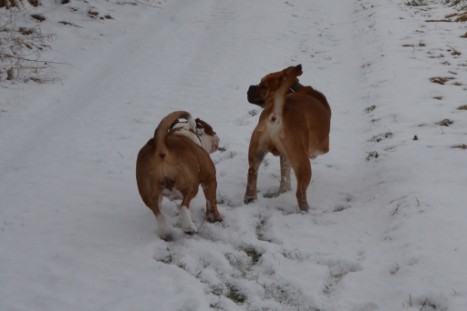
(162, 228)
(187, 223)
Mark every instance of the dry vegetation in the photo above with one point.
(22, 43)
(20, 50)
(18, 3)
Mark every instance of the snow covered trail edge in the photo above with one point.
(74, 234)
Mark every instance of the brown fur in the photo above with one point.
(169, 163)
(293, 125)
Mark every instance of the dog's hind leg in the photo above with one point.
(285, 175)
(187, 224)
(162, 227)
(212, 213)
(302, 168)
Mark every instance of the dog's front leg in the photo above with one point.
(255, 157)
(285, 175)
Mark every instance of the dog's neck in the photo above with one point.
(279, 100)
(277, 108)
(295, 87)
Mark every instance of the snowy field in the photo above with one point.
(387, 226)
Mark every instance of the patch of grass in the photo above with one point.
(294, 254)
(68, 24)
(453, 51)
(445, 122)
(253, 253)
(93, 13)
(441, 80)
(283, 294)
(461, 18)
(38, 17)
(234, 294)
(461, 146)
(416, 3)
(381, 137)
(370, 109)
(372, 155)
(167, 259)
(463, 107)
(425, 304)
(261, 228)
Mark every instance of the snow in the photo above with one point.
(386, 230)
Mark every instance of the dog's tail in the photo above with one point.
(164, 128)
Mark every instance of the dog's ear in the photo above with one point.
(294, 71)
(200, 123)
(299, 70)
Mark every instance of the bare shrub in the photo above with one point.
(20, 50)
(18, 3)
(445, 122)
(416, 3)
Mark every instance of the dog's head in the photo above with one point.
(209, 138)
(259, 94)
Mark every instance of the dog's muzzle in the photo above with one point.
(254, 96)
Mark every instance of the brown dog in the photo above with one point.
(294, 124)
(173, 164)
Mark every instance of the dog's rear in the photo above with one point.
(314, 111)
(160, 135)
(154, 155)
(174, 166)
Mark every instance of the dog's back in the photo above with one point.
(309, 110)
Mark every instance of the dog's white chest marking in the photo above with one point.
(274, 126)
(278, 106)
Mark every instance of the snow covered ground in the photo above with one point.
(387, 227)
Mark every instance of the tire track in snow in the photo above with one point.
(247, 265)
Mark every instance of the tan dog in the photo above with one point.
(294, 125)
(173, 164)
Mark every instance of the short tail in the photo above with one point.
(165, 126)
